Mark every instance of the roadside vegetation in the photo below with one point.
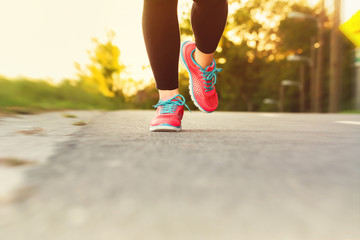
(253, 52)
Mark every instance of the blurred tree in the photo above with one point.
(253, 49)
(296, 35)
(248, 49)
(252, 52)
(103, 72)
(146, 97)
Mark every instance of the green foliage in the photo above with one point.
(103, 73)
(145, 98)
(252, 52)
(250, 46)
(41, 95)
(298, 35)
(256, 41)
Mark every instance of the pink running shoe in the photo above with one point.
(202, 81)
(169, 113)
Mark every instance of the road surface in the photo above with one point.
(227, 175)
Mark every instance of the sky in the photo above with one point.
(44, 38)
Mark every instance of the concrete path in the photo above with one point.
(250, 176)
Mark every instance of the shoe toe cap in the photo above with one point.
(163, 119)
(208, 102)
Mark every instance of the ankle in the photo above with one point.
(203, 59)
(164, 94)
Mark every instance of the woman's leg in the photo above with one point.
(208, 20)
(162, 41)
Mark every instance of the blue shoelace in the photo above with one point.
(170, 106)
(209, 78)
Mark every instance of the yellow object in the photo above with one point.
(351, 28)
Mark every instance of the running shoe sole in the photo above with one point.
(165, 128)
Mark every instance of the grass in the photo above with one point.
(351, 111)
(69, 115)
(15, 162)
(25, 96)
(80, 123)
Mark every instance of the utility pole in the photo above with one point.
(335, 61)
(281, 98)
(312, 74)
(357, 78)
(302, 87)
(319, 65)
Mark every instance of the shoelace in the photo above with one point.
(169, 106)
(210, 78)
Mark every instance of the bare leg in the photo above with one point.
(168, 93)
(203, 59)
